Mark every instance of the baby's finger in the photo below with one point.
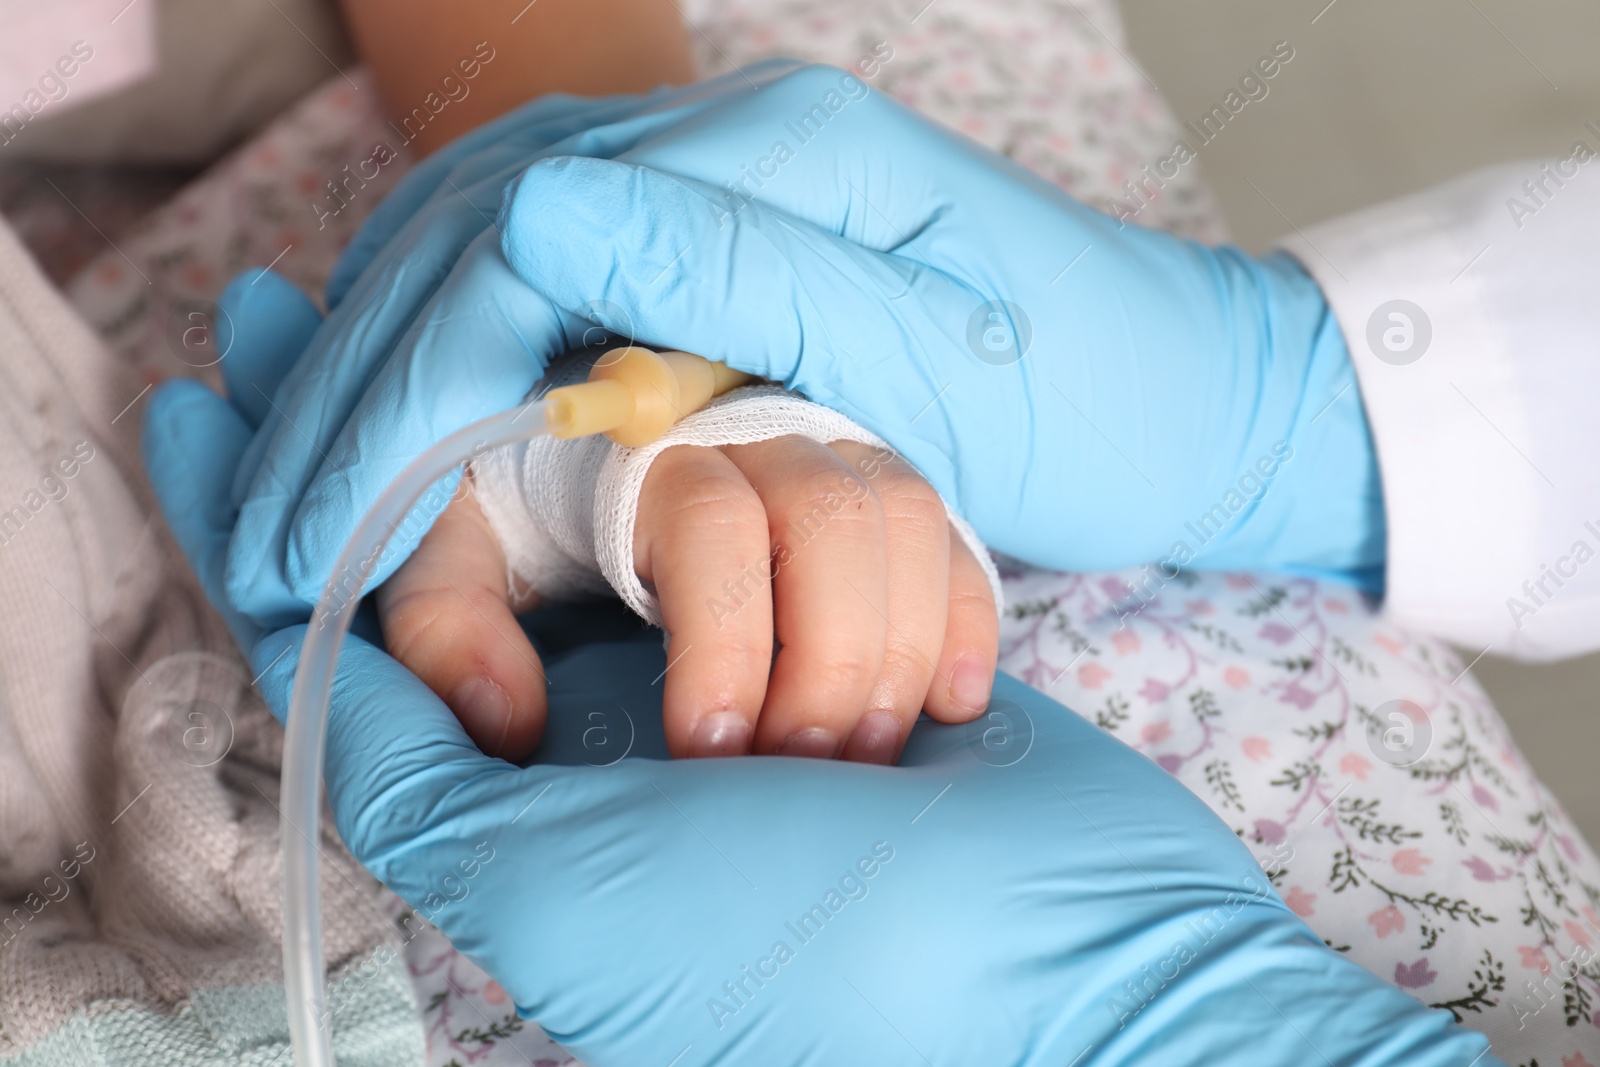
(701, 540)
(446, 617)
(960, 691)
(830, 593)
(918, 539)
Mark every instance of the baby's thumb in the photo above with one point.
(446, 616)
(396, 760)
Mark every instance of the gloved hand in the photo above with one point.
(1133, 397)
(443, 288)
(1024, 890)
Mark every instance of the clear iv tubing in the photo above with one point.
(309, 1022)
(633, 395)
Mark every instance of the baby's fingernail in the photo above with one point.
(970, 683)
(875, 739)
(722, 733)
(484, 709)
(814, 741)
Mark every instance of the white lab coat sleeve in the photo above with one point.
(1482, 390)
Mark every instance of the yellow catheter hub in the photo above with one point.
(634, 395)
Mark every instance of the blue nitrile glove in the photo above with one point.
(1167, 402)
(440, 290)
(1089, 394)
(507, 144)
(1077, 906)
(1024, 890)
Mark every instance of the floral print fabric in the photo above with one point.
(1433, 858)
(292, 199)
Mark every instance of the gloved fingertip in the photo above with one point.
(169, 403)
(273, 660)
(181, 414)
(188, 429)
(589, 196)
(255, 288)
(264, 323)
(310, 551)
(379, 228)
(560, 210)
(191, 440)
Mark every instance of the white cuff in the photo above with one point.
(1472, 311)
(564, 511)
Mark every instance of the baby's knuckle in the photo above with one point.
(714, 498)
(842, 671)
(412, 620)
(975, 604)
(901, 479)
(827, 495)
(911, 500)
(902, 660)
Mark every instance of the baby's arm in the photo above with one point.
(587, 47)
(762, 519)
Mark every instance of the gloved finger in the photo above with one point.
(366, 337)
(813, 166)
(829, 593)
(476, 349)
(395, 756)
(447, 618)
(918, 537)
(701, 540)
(328, 383)
(857, 163)
(192, 440)
(514, 140)
(262, 331)
(965, 674)
(768, 294)
(345, 351)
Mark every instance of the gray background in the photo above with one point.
(1384, 97)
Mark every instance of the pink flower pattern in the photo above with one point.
(1300, 902)
(1386, 921)
(1458, 877)
(1410, 861)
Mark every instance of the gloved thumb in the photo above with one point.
(758, 289)
(398, 764)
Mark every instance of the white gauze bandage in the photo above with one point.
(564, 511)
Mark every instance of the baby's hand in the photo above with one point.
(878, 608)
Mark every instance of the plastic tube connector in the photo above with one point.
(634, 395)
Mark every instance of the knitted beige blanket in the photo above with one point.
(139, 870)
